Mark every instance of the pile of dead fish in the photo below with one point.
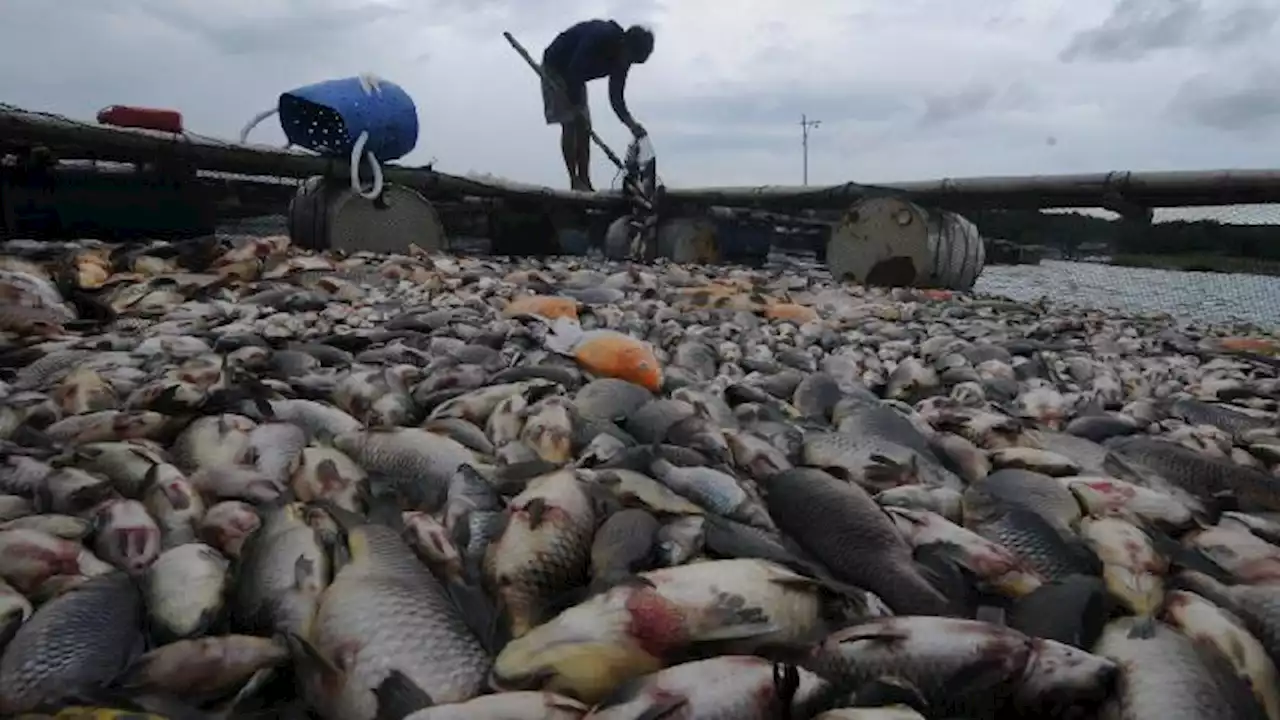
(243, 481)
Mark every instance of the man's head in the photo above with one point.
(639, 43)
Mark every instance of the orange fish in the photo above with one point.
(1261, 346)
(791, 312)
(546, 306)
(607, 353)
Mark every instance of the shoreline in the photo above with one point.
(1198, 262)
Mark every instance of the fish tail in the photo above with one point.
(907, 592)
(564, 333)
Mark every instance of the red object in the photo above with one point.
(141, 117)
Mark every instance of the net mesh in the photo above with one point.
(1216, 264)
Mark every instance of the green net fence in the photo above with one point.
(1211, 264)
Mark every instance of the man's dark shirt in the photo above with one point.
(586, 51)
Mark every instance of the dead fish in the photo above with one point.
(79, 640)
(126, 535)
(186, 590)
(1206, 623)
(1131, 568)
(379, 611)
(544, 548)
(204, 667)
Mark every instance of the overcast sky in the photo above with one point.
(905, 89)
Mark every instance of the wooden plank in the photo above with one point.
(71, 138)
(1157, 189)
(83, 140)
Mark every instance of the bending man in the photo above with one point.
(590, 50)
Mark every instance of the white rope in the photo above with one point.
(357, 154)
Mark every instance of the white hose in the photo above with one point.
(357, 154)
(257, 119)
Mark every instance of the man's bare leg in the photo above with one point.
(583, 148)
(569, 149)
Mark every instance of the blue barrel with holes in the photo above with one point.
(328, 117)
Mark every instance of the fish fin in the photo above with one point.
(512, 479)
(622, 693)
(460, 533)
(563, 335)
(990, 614)
(787, 652)
(8, 628)
(346, 520)
(1225, 501)
(977, 677)
(1143, 628)
(340, 556)
(937, 563)
(885, 471)
(385, 510)
(890, 690)
(537, 509)
(479, 613)
(786, 681)
(664, 707)
(1190, 559)
(307, 655)
(236, 705)
(871, 634)
(398, 697)
(738, 631)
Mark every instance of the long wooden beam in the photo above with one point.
(74, 139)
(1151, 189)
(71, 138)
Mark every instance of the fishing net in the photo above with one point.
(1210, 264)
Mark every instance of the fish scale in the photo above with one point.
(80, 639)
(1043, 548)
(463, 437)
(1166, 676)
(388, 610)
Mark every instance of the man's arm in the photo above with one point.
(617, 99)
(617, 95)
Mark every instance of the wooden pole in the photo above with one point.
(73, 139)
(555, 85)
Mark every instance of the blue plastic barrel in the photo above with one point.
(329, 117)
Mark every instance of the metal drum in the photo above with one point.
(328, 215)
(888, 241)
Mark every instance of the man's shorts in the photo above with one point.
(557, 107)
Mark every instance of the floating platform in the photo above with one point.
(426, 206)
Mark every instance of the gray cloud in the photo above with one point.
(296, 26)
(1247, 105)
(1137, 28)
(751, 111)
(906, 90)
(943, 108)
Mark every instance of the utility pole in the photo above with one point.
(805, 125)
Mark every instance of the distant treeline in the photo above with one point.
(1069, 231)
